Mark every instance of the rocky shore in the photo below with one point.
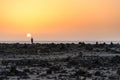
(52, 61)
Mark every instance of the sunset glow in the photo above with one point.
(60, 19)
(29, 35)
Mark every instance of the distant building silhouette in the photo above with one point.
(32, 40)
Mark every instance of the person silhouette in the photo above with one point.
(32, 40)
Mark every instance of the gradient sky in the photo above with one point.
(60, 19)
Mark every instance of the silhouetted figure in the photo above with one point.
(32, 41)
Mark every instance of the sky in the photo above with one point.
(60, 20)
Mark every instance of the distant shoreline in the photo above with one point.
(58, 42)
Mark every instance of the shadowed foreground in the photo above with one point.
(60, 61)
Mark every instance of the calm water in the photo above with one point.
(57, 42)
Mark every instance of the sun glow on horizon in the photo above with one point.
(29, 35)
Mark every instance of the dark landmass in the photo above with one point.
(60, 61)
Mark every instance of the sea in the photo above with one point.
(58, 42)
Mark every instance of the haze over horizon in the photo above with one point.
(60, 20)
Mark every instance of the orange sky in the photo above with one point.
(60, 19)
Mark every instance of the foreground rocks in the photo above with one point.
(60, 61)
